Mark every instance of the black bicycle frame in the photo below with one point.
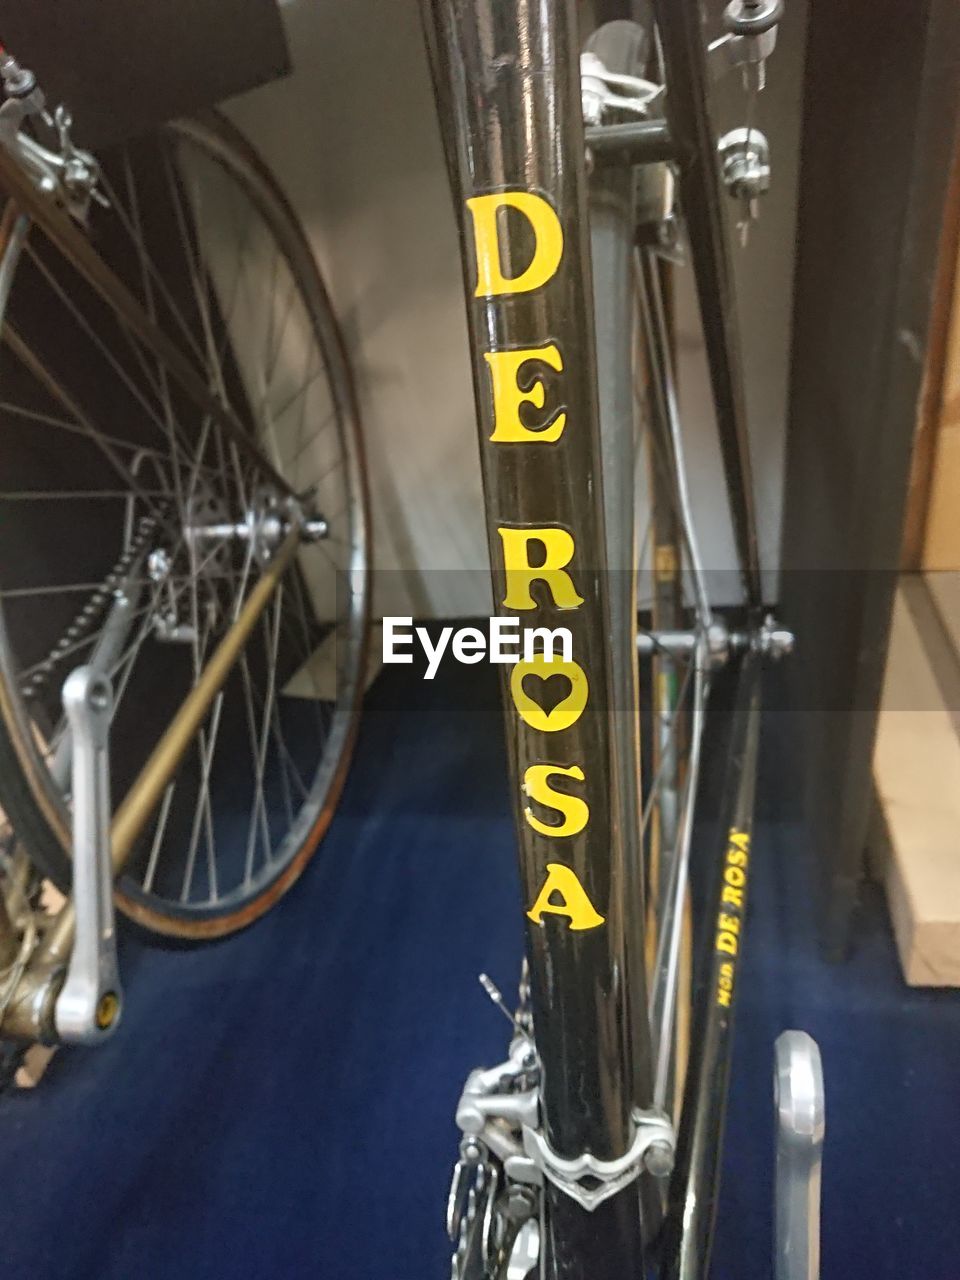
(508, 86)
(695, 151)
(694, 1187)
(688, 1229)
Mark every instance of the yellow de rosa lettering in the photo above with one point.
(548, 241)
(567, 712)
(738, 849)
(725, 980)
(509, 397)
(572, 898)
(558, 548)
(728, 942)
(575, 812)
(728, 924)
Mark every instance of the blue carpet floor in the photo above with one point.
(280, 1105)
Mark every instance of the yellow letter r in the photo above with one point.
(558, 547)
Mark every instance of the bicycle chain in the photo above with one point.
(472, 1221)
(83, 623)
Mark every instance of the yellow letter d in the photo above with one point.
(548, 242)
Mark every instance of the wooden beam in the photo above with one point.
(917, 774)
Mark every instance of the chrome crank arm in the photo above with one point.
(799, 1093)
(88, 1006)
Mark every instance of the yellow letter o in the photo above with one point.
(565, 713)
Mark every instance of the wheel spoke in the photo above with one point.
(203, 813)
(155, 275)
(259, 803)
(87, 328)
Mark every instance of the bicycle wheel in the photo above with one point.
(651, 547)
(676, 684)
(134, 528)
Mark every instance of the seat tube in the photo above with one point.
(507, 78)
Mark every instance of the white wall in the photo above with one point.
(352, 136)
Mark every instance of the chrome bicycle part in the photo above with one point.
(750, 39)
(800, 1111)
(519, 1251)
(472, 1254)
(493, 1233)
(590, 1181)
(752, 18)
(604, 91)
(772, 640)
(19, 83)
(67, 171)
(499, 1114)
(745, 166)
(28, 1014)
(88, 1006)
(267, 521)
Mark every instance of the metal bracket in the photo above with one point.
(88, 1006)
(604, 90)
(499, 1110)
(653, 1134)
(773, 640)
(745, 161)
(750, 39)
(68, 172)
(638, 142)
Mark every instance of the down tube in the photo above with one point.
(507, 77)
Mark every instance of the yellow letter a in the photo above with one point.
(575, 903)
(548, 242)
